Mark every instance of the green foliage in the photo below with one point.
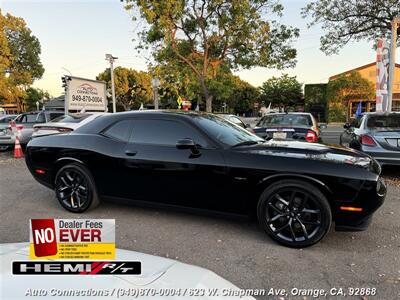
(207, 34)
(314, 94)
(176, 79)
(351, 20)
(131, 87)
(20, 57)
(284, 90)
(34, 95)
(344, 88)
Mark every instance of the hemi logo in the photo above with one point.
(76, 268)
(44, 237)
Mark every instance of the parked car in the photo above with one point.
(64, 123)
(158, 274)
(291, 125)
(201, 161)
(236, 120)
(5, 122)
(377, 134)
(25, 122)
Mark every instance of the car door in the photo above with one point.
(158, 171)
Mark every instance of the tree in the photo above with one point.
(20, 58)
(284, 90)
(131, 87)
(351, 20)
(205, 34)
(34, 95)
(178, 80)
(345, 88)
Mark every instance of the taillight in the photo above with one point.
(367, 140)
(311, 136)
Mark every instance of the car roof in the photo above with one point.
(289, 113)
(374, 113)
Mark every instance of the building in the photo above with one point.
(55, 103)
(315, 94)
(368, 72)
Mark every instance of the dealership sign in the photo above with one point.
(72, 238)
(382, 74)
(85, 94)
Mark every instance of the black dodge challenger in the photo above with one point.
(199, 160)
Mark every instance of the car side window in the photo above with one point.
(356, 123)
(40, 118)
(52, 116)
(163, 132)
(120, 130)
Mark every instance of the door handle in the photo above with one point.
(130, 152)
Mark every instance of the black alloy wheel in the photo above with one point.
(294, 213)
(75, 189)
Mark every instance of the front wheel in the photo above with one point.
(294, 213)
(75, 188)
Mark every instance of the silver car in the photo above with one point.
(377, 134)
(25, 122)
(5, 121)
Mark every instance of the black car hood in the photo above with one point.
(313, 151)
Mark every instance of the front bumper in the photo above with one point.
(369, 199)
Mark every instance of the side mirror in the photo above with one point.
(346, 126)
(323, 126)
(187, 144)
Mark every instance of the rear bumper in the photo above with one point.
(384, 157)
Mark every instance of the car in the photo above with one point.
(290, 125)
(24, 122)
(377, 134)
(5, 121)
(200, 161)
(160, 277)
(64, 123)
(236, 120)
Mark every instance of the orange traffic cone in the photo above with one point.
(17, 148)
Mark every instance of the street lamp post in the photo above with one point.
(111, 59)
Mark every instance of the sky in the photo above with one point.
(75, 35)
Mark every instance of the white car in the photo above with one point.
(158, 274)
(65, 123)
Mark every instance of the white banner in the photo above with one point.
(85, 94)
(382, 74)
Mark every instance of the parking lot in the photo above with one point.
(233, 248)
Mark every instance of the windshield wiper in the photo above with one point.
(246, 143)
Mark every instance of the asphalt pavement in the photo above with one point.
(233, 248)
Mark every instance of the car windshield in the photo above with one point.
(71, 118)
(286, 119)
(388, 121)
(226, 132)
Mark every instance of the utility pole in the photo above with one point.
(393, 46)
(111, 59)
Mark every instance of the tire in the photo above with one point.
(75, 188)
(294, 213)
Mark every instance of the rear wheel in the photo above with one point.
(294, 213)
(75, 188)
